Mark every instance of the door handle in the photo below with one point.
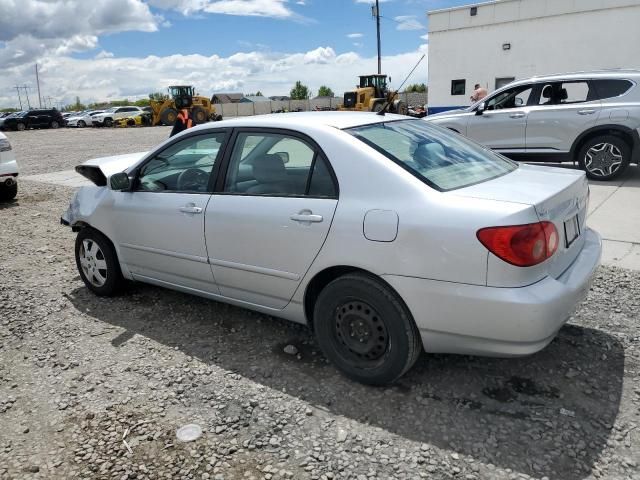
(190, 208)
(306, 217)
(517, 115)
(588, 111)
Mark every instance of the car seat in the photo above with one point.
(270, 173)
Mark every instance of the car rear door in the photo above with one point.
(561, 112)
(270, 216)
(159, 226)
(502, 124)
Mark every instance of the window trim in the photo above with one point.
(219, 188)
(214, 172)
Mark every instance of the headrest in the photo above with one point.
(269, 169)
(547, 91)
(562, 94)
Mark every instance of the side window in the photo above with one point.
(458, 87)
(511, 98)
(185, 166)
(276, 164)
(559, 93)
(611, 88)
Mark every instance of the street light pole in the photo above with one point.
(38, 82)
(377, 15)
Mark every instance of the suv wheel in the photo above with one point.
(55, 124)
(365, 329)
(21, 126)
(82, 123)
(108, 122)
(8, 192)
(97, 263)
(604, 157)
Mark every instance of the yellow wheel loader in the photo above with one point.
(182, 96)
(371, 96)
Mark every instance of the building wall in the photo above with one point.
(545, 36)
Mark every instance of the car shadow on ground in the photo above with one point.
(9, 204)
(564, 400)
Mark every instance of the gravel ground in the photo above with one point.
(80, 374)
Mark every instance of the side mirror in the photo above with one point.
(519, 102)
(481, 108)
(284, 156)
(120, 181)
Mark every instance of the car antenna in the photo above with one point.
(390, 97)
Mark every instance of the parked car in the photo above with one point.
(106, 118)
(39, 118)
(385, 234)
(139, 119)
(592, 118)
(8, 170)
(4, 116)
(83, 119)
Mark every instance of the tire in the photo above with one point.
(21, 127)
(217, 118)
(82, 124)
(168, 116)
(386, 342)
(377, 107)
(55, 124)
(400, 108)
(199, 115)
(97, 263)
(605, 157)
(108, 122)
(8, 193)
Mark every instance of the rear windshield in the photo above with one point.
(439, 157)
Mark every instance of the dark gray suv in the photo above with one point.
(592, 118)
(41, 118)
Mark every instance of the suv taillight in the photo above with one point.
(521, 245)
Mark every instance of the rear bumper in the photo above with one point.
(480, 320)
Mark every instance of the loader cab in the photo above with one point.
(377, 82)
(182, 95)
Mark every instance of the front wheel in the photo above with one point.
(21, 127)
(97, 263)
(55, 124)
(8, 192)
(108, 122)
(365, 329)
(82, 124)
(604, 157)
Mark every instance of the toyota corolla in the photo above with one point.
(386, 235)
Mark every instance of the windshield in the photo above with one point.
(110, 110)
(442, 159)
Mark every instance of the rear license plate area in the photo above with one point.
(571, 230)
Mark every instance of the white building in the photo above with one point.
(496, 42)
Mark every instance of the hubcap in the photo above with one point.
(603, 159)
(360, 332)
(93, 263)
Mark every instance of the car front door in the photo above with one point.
(270, 217)
(502, 124)
(562, 111)
(159, 225)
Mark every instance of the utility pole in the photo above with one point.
(38, 82)
(375, 11)
(17, 87)
(26, 92)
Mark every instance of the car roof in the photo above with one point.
(336, 119)
(593, 74)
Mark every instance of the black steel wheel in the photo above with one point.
(365, 329)
(8, 192)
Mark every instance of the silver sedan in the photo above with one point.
(386, 235)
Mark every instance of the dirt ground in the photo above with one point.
(95, 388)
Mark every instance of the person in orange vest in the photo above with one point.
(184, 120)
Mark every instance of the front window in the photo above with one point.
(511, 98)
(435, 155)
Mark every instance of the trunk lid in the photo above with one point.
(558, 195)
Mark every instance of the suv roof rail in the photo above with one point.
(589, 72)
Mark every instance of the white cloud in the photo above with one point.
(105, 78)
(355, 35)
(408, 22)
(425, 37)
(104, 54)
(256, 8)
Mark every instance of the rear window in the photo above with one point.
(442, 159)
(611, 88)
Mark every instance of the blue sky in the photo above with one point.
(112, 49)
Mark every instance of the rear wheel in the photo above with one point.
(377, 107)
(21, 126)
(400, 108)
(604, 157)
(82, 123)
(168, 116)
(55, 124)
(199, 115)
(365, 329)
(97, 263)
(8, 192)
(108, 122)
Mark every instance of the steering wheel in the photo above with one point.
(192, 179)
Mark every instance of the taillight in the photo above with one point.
(521, 245)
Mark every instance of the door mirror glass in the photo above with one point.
(481, 108)
(120, 181)
(284, 156)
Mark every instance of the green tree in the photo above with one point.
(259, 94)
(416, 88)
(325, 91)
(143, 102)
(10, 110)
(158, 96)
(299, 91)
